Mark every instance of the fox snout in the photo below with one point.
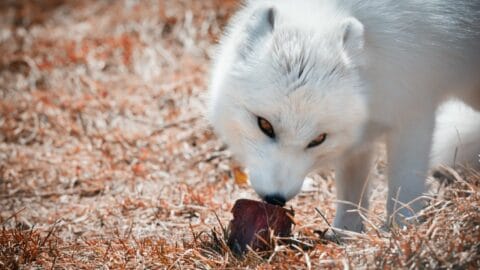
(276, 199)
(276, 186)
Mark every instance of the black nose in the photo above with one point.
(275, 199)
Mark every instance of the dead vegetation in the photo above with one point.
(106, 160)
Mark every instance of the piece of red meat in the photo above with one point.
(252, 221)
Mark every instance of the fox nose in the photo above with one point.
(275, 199)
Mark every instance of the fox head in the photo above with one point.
(287, 99)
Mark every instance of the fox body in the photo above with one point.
(299, 85)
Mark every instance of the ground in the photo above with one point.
(106, 160)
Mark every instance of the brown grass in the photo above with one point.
(107, 162)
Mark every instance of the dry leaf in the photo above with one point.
(240, 177)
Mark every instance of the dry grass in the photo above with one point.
(107, 162)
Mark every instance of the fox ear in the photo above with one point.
(262, 21)
(353, 38)
(260, 24)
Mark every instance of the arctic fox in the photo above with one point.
(297, 85)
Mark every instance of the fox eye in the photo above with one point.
(317, 141)
(266, 127)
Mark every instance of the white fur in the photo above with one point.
(456, 138)
(354, 69)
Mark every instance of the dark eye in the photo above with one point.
(317, 141)
(266, 127)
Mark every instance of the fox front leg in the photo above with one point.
(408, 150)
(352, 189)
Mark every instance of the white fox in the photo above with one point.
(298, 85)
